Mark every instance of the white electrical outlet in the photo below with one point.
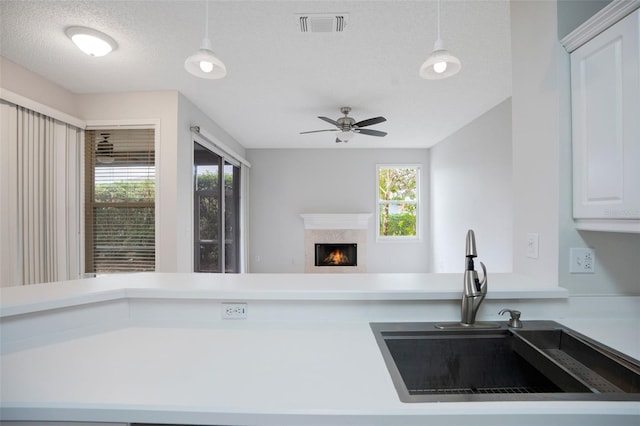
(234, 311)
(583, 261)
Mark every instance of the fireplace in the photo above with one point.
(336, 254)
(335, 243)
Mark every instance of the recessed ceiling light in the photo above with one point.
(90, 41)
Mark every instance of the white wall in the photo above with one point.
(536, 132)
(20, 80)
(471, 188)
(288, 182)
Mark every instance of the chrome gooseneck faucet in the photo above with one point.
(474, 289)
(473, 293)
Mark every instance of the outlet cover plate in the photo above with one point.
(582, 261)
(234, 310)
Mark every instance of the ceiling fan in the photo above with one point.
(348, 127)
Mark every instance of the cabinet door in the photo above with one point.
(605, 89)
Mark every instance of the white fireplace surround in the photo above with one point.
(336, 220)
(335, 228)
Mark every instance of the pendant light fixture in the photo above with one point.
(204, 63)
(441, 63)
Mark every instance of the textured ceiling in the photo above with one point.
(279, 79)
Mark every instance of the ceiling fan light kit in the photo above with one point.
(441, 63)
(204, 63)
(344, 136)
(104, 150)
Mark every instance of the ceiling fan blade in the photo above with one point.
(316, 131)
(370, 132)
(370, 121)
(328, 120)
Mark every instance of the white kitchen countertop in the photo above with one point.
(256, 371)
(281, 373)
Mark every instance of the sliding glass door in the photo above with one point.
(217, 212)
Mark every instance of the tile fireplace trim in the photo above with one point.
(336, 220)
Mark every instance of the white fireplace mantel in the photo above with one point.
(336, 220)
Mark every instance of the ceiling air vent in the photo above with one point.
(322, 22)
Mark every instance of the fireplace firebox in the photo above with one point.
(336, 255)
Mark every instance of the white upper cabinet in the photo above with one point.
(605, 100)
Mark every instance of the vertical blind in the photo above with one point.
(120, 197)
(39, 197)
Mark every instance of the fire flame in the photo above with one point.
(336, 257)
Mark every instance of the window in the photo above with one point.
(119, 201)
(217, 212)
(398, 202)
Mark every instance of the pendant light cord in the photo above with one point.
(206, 19)
(438, 26)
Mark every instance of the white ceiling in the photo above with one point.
(279, 79)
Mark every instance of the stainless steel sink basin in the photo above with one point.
(541, 361)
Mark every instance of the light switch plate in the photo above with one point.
(532, 245)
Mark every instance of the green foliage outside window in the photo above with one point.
(398, 225)
(210, 204)
(398, 198)
(131, 192)
(124, 228)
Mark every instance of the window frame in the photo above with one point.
(417, 203)
(223, 238)
(106, 125)
(228, 157)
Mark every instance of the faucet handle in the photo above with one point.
(514, 321)
(482, 285)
